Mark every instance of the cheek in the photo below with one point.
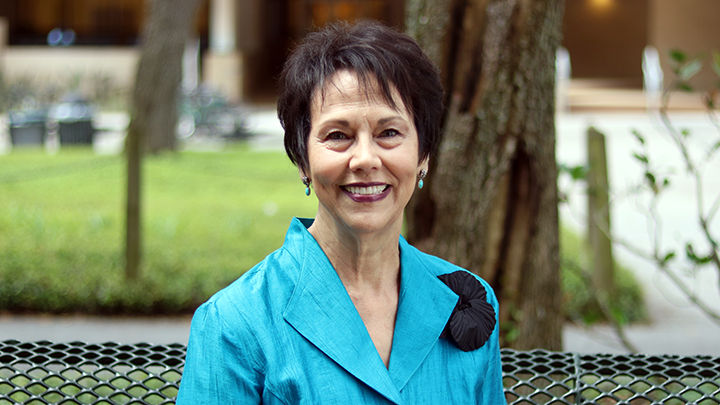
(325, 168)
(406, 170)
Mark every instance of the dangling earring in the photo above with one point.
(306, 182)
(422, 175)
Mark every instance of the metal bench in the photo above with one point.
(112, 373)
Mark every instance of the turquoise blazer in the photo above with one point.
(287, 332)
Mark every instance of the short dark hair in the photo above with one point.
(373, 51)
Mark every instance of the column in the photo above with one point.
(223, 67)
(3, 41)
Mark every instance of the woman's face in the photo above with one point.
(363, 156)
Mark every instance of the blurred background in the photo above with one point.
(67, 69)
(242, 44)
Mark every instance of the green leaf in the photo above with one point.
(709, 102)
(638, 136)
(576, 172)
(690, 70)
(666, 182)
(678, 55)
(684, 87)
(716, 62)
(650, 177)
(704, 260)
(685, 132)
(695, 258)
(668, 257)
(641, 158)
(579, 172)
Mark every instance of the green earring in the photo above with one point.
(422, 175)
(306, 182)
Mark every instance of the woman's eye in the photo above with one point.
(389, 133)
(336, 136)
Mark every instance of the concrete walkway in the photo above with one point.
(675, 326)
(160, 330)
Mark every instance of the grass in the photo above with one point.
(579, 301)
(208, 217)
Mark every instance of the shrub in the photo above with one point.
(579, 299)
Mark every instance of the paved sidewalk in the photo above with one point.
(160, 330)
(675, 325)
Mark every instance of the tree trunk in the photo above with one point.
(154, 113)
(159, 73)
(491, 201)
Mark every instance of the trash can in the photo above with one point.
(27, 127)
(76, 132)
(72, 119)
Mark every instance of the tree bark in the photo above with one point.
(153, 117)
(159, 72)
(491, 201)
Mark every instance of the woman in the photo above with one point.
(347, 311)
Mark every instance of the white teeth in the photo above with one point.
(366, 190)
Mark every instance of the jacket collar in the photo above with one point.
(321, 310)
(425, 306)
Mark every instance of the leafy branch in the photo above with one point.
(684, 68)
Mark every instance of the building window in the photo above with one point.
(92, 22)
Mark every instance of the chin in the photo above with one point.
(372, 222)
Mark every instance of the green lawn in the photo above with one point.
(208, 217)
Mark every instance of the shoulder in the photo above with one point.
(438, 267)
(434, 264)
(261, 292)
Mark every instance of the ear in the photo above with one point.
(424, 164)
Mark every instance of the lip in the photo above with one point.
(366, 198)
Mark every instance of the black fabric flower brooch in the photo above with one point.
(473, 319)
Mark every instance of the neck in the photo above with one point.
(365, 262)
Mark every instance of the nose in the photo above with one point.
(365, 156)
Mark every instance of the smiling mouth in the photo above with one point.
(372, 190)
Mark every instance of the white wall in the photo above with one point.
(56, 65)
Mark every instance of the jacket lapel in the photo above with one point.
(425, 306)
(321, 310)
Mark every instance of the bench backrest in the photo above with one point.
(542, 377)
(112, 373)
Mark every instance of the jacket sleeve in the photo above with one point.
(491, 389)
(221, 362)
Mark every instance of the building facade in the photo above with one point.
(243, 43)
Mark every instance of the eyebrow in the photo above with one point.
(383, 121)
(343, 123)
